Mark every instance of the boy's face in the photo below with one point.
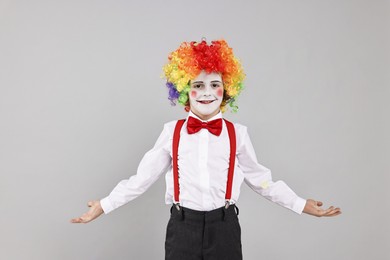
(206, 95)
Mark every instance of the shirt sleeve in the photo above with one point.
(154, 163)
(259, 178)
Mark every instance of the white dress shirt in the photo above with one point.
(203, 161)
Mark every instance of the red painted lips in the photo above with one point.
(205, 101)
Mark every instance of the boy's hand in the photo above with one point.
(313, 207)
(94, 212)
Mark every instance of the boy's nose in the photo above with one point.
(207, 91)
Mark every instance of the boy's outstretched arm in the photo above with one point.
(154, 163)
(313, 208)
(95, 210)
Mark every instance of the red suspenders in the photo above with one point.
(175, 147)
(232, 158)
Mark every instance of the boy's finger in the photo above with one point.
(76, 220)
(327, 211)
(334, 212)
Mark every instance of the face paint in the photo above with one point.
(193, 94)
(206, 95)
(220, 92)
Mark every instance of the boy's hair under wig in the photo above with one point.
(185, 64)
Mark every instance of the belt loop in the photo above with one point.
(236, 209)
(179, 210)
(225, 209)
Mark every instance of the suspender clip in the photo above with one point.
(227, 204)
(177, 206)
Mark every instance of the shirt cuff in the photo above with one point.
(106, 205)
(299, 205)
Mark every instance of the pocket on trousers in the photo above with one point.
(170, 239)
(236, 229)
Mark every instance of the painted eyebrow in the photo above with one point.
(201, 82)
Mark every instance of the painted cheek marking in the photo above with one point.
(193, 94)
(220, 92)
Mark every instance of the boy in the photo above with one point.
(205, 158)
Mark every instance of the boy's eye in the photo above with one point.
(215, 85)
(197, 85)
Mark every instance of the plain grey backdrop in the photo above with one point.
(82, 99)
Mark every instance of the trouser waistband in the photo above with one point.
(206, 216)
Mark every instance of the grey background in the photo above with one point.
(81, 101)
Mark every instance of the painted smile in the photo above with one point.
(206, 101)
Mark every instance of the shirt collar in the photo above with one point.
(219, 115)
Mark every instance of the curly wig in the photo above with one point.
(185, 64)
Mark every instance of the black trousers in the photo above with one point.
(203, 235)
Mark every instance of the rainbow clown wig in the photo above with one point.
(191, 58)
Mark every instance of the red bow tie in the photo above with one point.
(194, 125)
